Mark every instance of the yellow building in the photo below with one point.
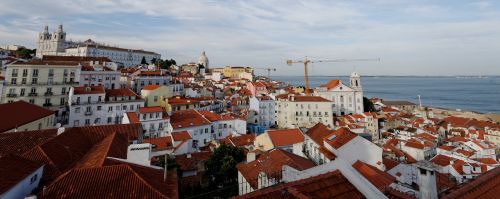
(233, 71)
(155, 94)
(23, 116)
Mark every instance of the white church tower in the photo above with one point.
(355, 84)
(51, 44)
(203, 60)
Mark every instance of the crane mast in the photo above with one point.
(306, 62)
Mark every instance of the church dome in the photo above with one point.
(203, 60)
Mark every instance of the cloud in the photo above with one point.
(410, 37)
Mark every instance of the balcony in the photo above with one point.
(47, 104)
(14, 74)
(33, 94)
(87, 113)
(48, 93)
(12, 95)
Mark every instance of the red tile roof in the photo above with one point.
(187, 118)
(378, 178)
(272, 163)
(21, 142)
(151, 109)
(151, 87)
(310, 99)
(389, 164)
(211, 116)
(414, 144)
(15, 169)
(486, 160)
(116, 180)
(285, 137)
(446, 147)
(325, 186)
(84, 90)
(191, 163)
(442, 160)
(122, 92)
(317, 133)
(15, 114)
(133, 118)
(114, 145)
(331, 84)
(239, 141)
(181, 136)
(339, 137)
(465, 152)
(160, 143)
(484, 186)
(74, 58)
(150, 73)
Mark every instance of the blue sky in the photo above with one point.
(448, 37)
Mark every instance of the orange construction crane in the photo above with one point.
(306, 61)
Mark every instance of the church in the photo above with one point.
(346, 99)
(56, 44)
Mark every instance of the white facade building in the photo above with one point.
(346, 99)
(145, 78)
(265, 107)
(99, 75)
(155, 122)
(96, 106)
(56, 44)
(302, 111)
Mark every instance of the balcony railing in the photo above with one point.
(88, 113)
(32, 94)
(47, 104)
(49, 93)
(12, 95)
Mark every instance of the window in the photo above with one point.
(98, 108)
(62, 101)
(110, 108)
(131, 107)
(155, 98)
(88, 99)
(14, 72)
(35, 72)
(97, 120)
(32, 101)
(13, 81)
(23, 81)
(124, 107)
(25, 72)
(34, 81)
(22, 91)
(87, 121)
(63, 90)
(77, 109)
(110, 119)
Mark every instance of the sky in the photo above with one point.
(446, 37)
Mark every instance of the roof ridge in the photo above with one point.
(127, 166)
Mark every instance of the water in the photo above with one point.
(474, 94)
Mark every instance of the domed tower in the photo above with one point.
(355, 81)
(203, 60)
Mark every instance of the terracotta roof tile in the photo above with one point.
(151, 109)
(325, 186)
(21, 142)
(486, 160)
(14, 169)
(339, 137)
(187, 118)
(151, 87)
(285, 137)
(181, 136)
(15, 114)
(272, 163)
(442, 160)
(160, 143)
(378, 178)
(414, 144)
(389, 164)
(484, 186)
(331, 84)
(84, 90)
(239, 141)
(116, 180)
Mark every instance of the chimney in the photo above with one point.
(250, 156)
(60, 130)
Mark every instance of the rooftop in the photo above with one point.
(16, 114)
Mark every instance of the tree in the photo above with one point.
(24, 53)
(143, 61)
(369, 107)
(221, 165)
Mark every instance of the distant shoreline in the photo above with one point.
(417, 76)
